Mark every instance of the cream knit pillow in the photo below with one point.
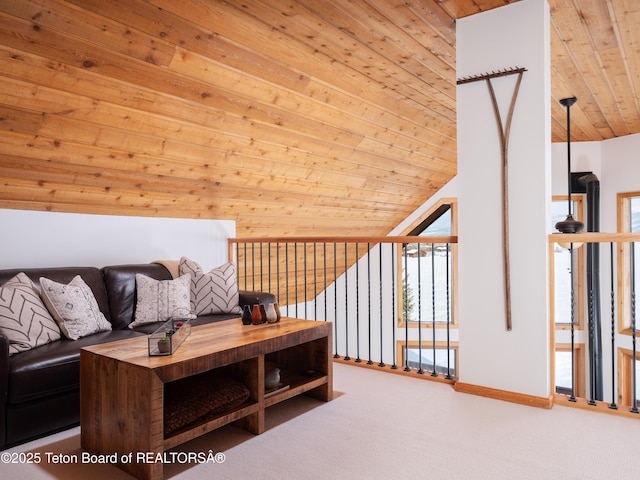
(161, 300)
(74, 307)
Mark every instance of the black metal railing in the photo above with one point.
(391, 299)
(599, 373)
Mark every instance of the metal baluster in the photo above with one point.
(405, 302)
(253, 266)
(324, 263)
(381, 364)
(434, 373)
(572, 398)
(315, 281)
(304, 263)
(395, 316)
(295, 276)
(245, 266)
(613, 405)
(634, 400)
(448, 375)
(592, 364)
(370, 361)
(278, 274)
(346, 303)
(269, 266)
(420, 369)
(261, 273)
(286, 274)
(358, 359)
(238, 262)
(335, 296)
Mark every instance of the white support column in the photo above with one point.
(491, 357)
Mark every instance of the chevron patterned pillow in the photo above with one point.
(213, 292)
(24, 319)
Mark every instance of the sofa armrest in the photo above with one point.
(4, 388)
(251, 298)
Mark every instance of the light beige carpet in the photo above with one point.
(383, 426)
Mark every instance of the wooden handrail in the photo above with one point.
(343, 239)
(594, 237)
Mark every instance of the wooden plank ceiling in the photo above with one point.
(292, 117)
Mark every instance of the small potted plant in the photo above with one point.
(166, 339)
(164, 345)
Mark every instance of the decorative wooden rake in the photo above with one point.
(504, 143)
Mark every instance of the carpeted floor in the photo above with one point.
(383, 426)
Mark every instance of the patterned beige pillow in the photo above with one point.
(213, 292)
(74, 307)
(24, 319)
(160, 300)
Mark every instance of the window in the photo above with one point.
(628, 221)
(423, 358)
(562, 271)
(628, 268)
(625, 372)
(562, 268)
(437, 223)
(563, 369)
(427, 270)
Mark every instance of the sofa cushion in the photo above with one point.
(161, 300)
(54, 368)
(28, 420)
(120, 284)
(24, 319)
(213, 292)
(74, 307)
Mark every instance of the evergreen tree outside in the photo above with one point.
(407, 300)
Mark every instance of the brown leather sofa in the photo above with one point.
(40, 388)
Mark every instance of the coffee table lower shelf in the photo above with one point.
(196, 429)
(199, 429)
(122, 387)
(297, 386)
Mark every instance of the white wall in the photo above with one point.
(620, 174)
(614, 161)
(491, 356)
(585, 157)
(50, 239)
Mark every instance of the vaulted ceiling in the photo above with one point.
(292, 117)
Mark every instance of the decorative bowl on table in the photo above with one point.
(272, 379)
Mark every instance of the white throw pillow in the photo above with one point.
(74, 307)
(213, 292)
(24, 319)
(161, 300)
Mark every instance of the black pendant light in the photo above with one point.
(569, 224)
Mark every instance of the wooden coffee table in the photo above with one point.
(122, 387)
